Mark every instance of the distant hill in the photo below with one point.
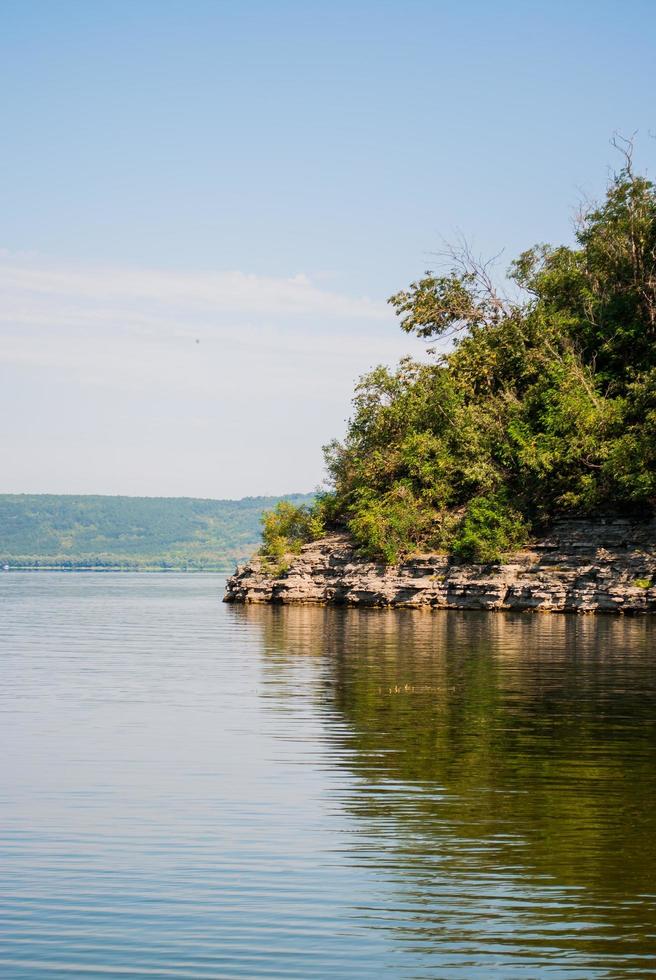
(62, 531)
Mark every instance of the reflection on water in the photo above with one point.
(195, 790)
(506, 771)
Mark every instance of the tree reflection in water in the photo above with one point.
(504, 769)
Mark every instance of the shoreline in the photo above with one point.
(150, 569)
(601, 566)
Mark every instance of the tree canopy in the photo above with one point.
(544, 405)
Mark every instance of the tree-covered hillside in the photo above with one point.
(544, 406)
(131, 532)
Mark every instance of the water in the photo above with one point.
(195, 790)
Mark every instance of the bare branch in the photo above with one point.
(460, 257)
(625, 145)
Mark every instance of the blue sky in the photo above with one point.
(260, 177)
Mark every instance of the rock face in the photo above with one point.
(581, 566)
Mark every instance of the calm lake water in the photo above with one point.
(196, 790)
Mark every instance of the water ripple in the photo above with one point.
(195, 790)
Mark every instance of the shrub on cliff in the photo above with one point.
(285, 529)
(545, 404)
(490, 528)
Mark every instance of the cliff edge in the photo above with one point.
(605, 566)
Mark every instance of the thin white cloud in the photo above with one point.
(118, 324)
(218, 292)
(133, 359)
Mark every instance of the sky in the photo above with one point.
(204, 206)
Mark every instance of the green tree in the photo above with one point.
(544, 405)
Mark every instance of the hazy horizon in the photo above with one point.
(159, 496)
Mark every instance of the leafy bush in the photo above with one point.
(285, 529)
(489, 530)
(391, 525)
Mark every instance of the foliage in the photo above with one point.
(284, 531)
(62, 531)
(489, 529)
(544, 405)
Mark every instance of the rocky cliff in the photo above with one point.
(581, 566)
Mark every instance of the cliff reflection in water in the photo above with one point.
(499, 759)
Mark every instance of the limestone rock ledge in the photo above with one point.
(606, 566)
